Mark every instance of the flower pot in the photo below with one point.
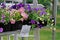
(11, 27)
(7, 27)
(18, 25)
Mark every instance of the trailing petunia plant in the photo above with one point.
(36, 17)
(40, 17)
(4, 16)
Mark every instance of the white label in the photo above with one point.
(25, 31)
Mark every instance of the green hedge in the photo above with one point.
(44, 2)
(1, 1)
(29, 1)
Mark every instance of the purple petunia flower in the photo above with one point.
(32, 21)
(2, 21)
(20, 5)
(40, 25)
(42, 13)
(36, 9)
(28, 8)
(17, 6)
(3, 5)
(1, 29)
(14, 6)
(42, 9)
(3, 16)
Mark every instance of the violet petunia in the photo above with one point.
(3, 5)
(1, 29)
(40, 25)
(36, 9)
(28, 8)
(20, 5)
(42, 9)
(32, 21)
(14, 7)
(42, 13)
(3, 16)
(2, 21)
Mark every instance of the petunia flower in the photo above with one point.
(42, 9)
(3, 5)
(42, 13)
(36, 9)
(1, 29)
(28, 8)
(14, 7)
(3, 16)
(24, 15)
(32, 21)
(20, 5)
(40, 25)
(12, 21)
(2, 21)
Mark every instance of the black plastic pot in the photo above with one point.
(11, 27)
(16, 26)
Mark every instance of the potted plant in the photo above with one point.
(12, 18)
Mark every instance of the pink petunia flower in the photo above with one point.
(12, 21)
(21, 9)
(25, 15)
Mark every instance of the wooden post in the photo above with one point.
(54, 9)
(16, 36)
(37, 34)
(4, 1)
(22, 38)
(35, 2)
(8, 37)
(0, 37)
(36, 31)
(24, 1)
